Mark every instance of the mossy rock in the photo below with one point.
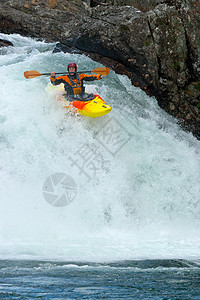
(177, 66)
(124, 28)
(197, 87)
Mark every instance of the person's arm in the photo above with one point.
(56, 80)
(90, 77)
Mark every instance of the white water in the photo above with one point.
(145, 204)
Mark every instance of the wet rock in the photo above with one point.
(63, 48)
(5, 43)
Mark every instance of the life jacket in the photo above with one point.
(76, 85)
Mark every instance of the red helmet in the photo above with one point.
(72, 65)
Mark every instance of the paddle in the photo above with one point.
(32, 74)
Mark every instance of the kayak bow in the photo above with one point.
(94, 108)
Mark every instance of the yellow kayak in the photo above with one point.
(94, 108)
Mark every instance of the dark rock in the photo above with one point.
(5, 43)
(63, 48)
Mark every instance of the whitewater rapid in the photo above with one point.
(143, 202)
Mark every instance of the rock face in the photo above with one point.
(156, 43)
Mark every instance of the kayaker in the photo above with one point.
(73, 83)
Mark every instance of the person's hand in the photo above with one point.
(102, 76)
(53, 74)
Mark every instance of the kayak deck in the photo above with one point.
(94, 108)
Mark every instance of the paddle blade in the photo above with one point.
(31, 74)
(101, 71)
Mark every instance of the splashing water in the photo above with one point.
(142, 201)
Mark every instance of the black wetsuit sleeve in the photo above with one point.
(58, 81)
(91, 78)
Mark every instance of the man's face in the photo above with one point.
(72, 70)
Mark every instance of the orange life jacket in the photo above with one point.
(74, 86)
